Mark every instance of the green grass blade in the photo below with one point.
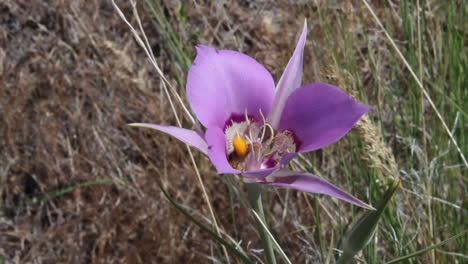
(422, 251)
(44, 197)
(50, 195)
(171, 38)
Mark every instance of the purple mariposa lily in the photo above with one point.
(254, 129)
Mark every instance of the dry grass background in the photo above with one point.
(72, 77)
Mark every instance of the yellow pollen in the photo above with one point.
(240, 146)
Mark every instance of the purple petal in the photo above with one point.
(289, 81)
(319, 114)
(260, 173)
(310, 183)
(217, 153)
(287, 158)
(217, 150)
(221, 83)
(187, 136)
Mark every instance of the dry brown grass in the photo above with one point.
(72, 77)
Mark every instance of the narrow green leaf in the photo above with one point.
(361, 233)
(44, 197)
(50, 195)
(422, 251)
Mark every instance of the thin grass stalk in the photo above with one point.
(400, 54)
(423, 123)
(277, 246)
(145, 45)
(422, 251)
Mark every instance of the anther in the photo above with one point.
(240, 146)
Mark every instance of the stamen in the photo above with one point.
(247, 119)
(272, 133)
(250, 137)
(264, 125)
(251, 144)
(263, 117)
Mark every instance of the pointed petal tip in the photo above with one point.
(364, 109)
(367, 206)
(360, 203)
(313, 184)
(138, 125)
(320, 114)
(200, 47)
(189, 137)
(145, 125)
(203, 50)
(367, 108)
(290, 80)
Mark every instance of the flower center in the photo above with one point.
(251, 145)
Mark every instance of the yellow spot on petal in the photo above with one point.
(240, 146)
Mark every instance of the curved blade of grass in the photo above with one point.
(213, 234)
(422, 251)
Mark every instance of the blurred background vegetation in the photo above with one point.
(77, 185)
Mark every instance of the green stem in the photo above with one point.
(346, 258)
(255, 198)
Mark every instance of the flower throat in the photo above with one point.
(251, 145)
